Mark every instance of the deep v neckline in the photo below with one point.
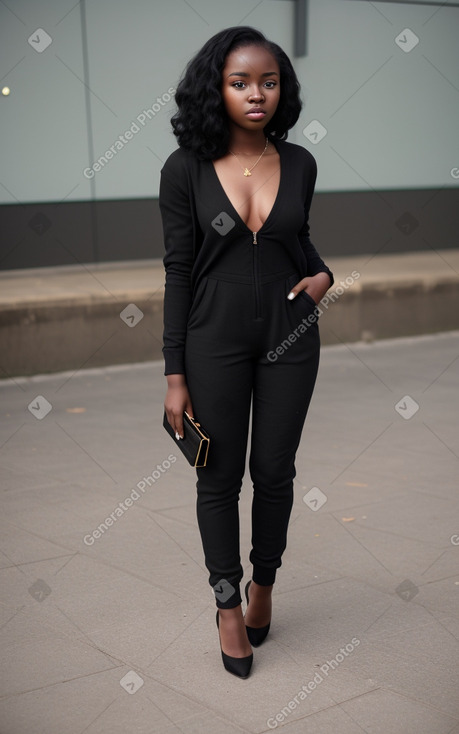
(274, 142)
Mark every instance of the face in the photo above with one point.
(250, 80)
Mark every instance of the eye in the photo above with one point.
(273, 84)
(234, 85)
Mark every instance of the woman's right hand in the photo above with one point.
(177, 400)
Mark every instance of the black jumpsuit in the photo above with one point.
(230, 329)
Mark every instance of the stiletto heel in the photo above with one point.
(237, 666)
(256, 635)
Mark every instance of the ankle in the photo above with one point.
(233, 615)
(261, 592)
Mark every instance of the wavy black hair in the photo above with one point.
(201, 121)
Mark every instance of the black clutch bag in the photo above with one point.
(195, 442)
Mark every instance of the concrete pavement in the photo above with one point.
(113, 629)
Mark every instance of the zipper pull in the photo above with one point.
(254, 241)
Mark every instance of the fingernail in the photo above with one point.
(177, 435)
(291, 296)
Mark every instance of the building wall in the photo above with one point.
(387, 112)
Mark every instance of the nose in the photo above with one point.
(255, 94)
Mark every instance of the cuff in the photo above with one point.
(174, 361)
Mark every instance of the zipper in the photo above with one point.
(256, 274)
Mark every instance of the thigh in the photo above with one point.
(220, 386)
(281, 396)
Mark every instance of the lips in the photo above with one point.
(256, 110)
(256, 113)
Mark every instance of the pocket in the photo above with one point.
(309, 298)
(302, 295)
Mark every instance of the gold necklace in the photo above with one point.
(247, 170)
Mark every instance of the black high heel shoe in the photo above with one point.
(256, 635)
(237, 666)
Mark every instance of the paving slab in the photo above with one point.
(117, 633)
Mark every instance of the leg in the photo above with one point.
(282, 393)
(220, 388)
(219, 369)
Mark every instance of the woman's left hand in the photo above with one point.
(315, 285)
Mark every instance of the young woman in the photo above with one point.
(240, 321)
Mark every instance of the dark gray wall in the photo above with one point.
(342, 223)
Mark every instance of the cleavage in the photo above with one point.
(253, 197)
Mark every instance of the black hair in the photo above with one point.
(201, 122)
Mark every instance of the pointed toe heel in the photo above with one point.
(256, 635)
(237, 666)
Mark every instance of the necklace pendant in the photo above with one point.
(247, 172)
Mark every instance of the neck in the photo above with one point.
(247, 142)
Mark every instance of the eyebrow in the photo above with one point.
(243, 73)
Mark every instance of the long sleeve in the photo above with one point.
(178, 231)
(315, 262)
